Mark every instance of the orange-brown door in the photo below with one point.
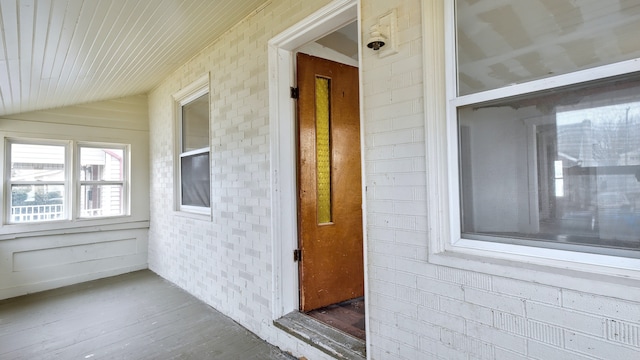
(329, 173)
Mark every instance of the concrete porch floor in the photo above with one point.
(132, 316)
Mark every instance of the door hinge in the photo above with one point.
(297, 255)
(294, 92)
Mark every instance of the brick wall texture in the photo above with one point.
(417, 310)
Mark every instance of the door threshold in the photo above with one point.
(323, 337)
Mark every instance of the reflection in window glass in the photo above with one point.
(195, 124)
(560, 168)
(102, 191)
(558, 175)
(506, 42)
(101, 164)
(31, 162)
(101, 200)
(37, 182)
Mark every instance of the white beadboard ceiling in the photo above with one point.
(56, 53)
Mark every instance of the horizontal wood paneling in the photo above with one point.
(45, 262)
(130, 113)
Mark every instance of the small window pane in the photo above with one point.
(101, 200)
(507, 42)
(32, 203)
(37, 162)
(101, 164)
(195, 180)
(561, 167)
(195, 124)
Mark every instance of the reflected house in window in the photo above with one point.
(602, 167)
(101, 173)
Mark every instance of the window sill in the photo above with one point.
(196, 215)
(591, 273)
(17, 231)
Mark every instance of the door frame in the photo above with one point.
(283, 148)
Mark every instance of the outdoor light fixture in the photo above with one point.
(383, 34)
(377, 40)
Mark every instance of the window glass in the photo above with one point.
(196, 180)
(36, 203)
(102, 190)
(560, 167)
(101, 164)
(506, 42)
(101, 200)
(37, 182)
(42, 191)
(194, 186)
(195, 124)
(31, 162)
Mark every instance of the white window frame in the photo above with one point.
(569, 269)
(68, 178)
(126, 150)
(72, 183)
(183, 97)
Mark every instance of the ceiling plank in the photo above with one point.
(40, 30)
(12, 49)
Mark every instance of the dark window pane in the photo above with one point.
(196, 180)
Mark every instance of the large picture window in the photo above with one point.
(545, 108)
(194, 175)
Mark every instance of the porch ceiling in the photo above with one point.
(56, 53)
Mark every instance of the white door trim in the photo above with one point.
(282, 115)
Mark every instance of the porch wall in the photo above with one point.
(226, 261)
(417, 310)
(37, 257)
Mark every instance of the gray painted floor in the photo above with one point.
(132, 316)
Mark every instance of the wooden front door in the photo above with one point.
(329, 188)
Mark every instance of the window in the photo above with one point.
(194, 176)
(40, 181)
(545, 112)
(102, 186)
(37, 182)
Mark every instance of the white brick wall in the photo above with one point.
(422, 311)
(226, 261)
(417, 310)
